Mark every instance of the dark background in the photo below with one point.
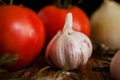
(89, 6)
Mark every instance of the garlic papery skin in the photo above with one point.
(105, 24)
(115, 66)
(68, 49)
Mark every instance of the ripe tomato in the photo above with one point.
(22, 33)
(54, 18)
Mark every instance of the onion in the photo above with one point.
(115, 66)
(105, 24)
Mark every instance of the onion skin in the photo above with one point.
(105, 24)
(115, 66)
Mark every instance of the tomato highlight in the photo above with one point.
(22, 33)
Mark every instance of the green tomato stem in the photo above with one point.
(63, 3)
(7, 59)
(2, 3)
(11, 2)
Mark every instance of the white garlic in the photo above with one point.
(68, 49)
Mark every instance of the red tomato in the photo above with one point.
(54, 18)
(22, 33)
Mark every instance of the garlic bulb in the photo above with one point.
(105, 23)
(68, 49)
(115, 66)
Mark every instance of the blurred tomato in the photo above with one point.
(54, 18)
(21, 33)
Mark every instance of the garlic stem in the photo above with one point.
(68, 24)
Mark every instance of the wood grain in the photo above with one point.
(85, 72)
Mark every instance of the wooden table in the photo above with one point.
(40, 69)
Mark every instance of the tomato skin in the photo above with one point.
(22, 33)
(54, 18)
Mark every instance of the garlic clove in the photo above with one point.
(68, 49)
(115, 66)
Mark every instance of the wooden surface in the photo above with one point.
(82, 73)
